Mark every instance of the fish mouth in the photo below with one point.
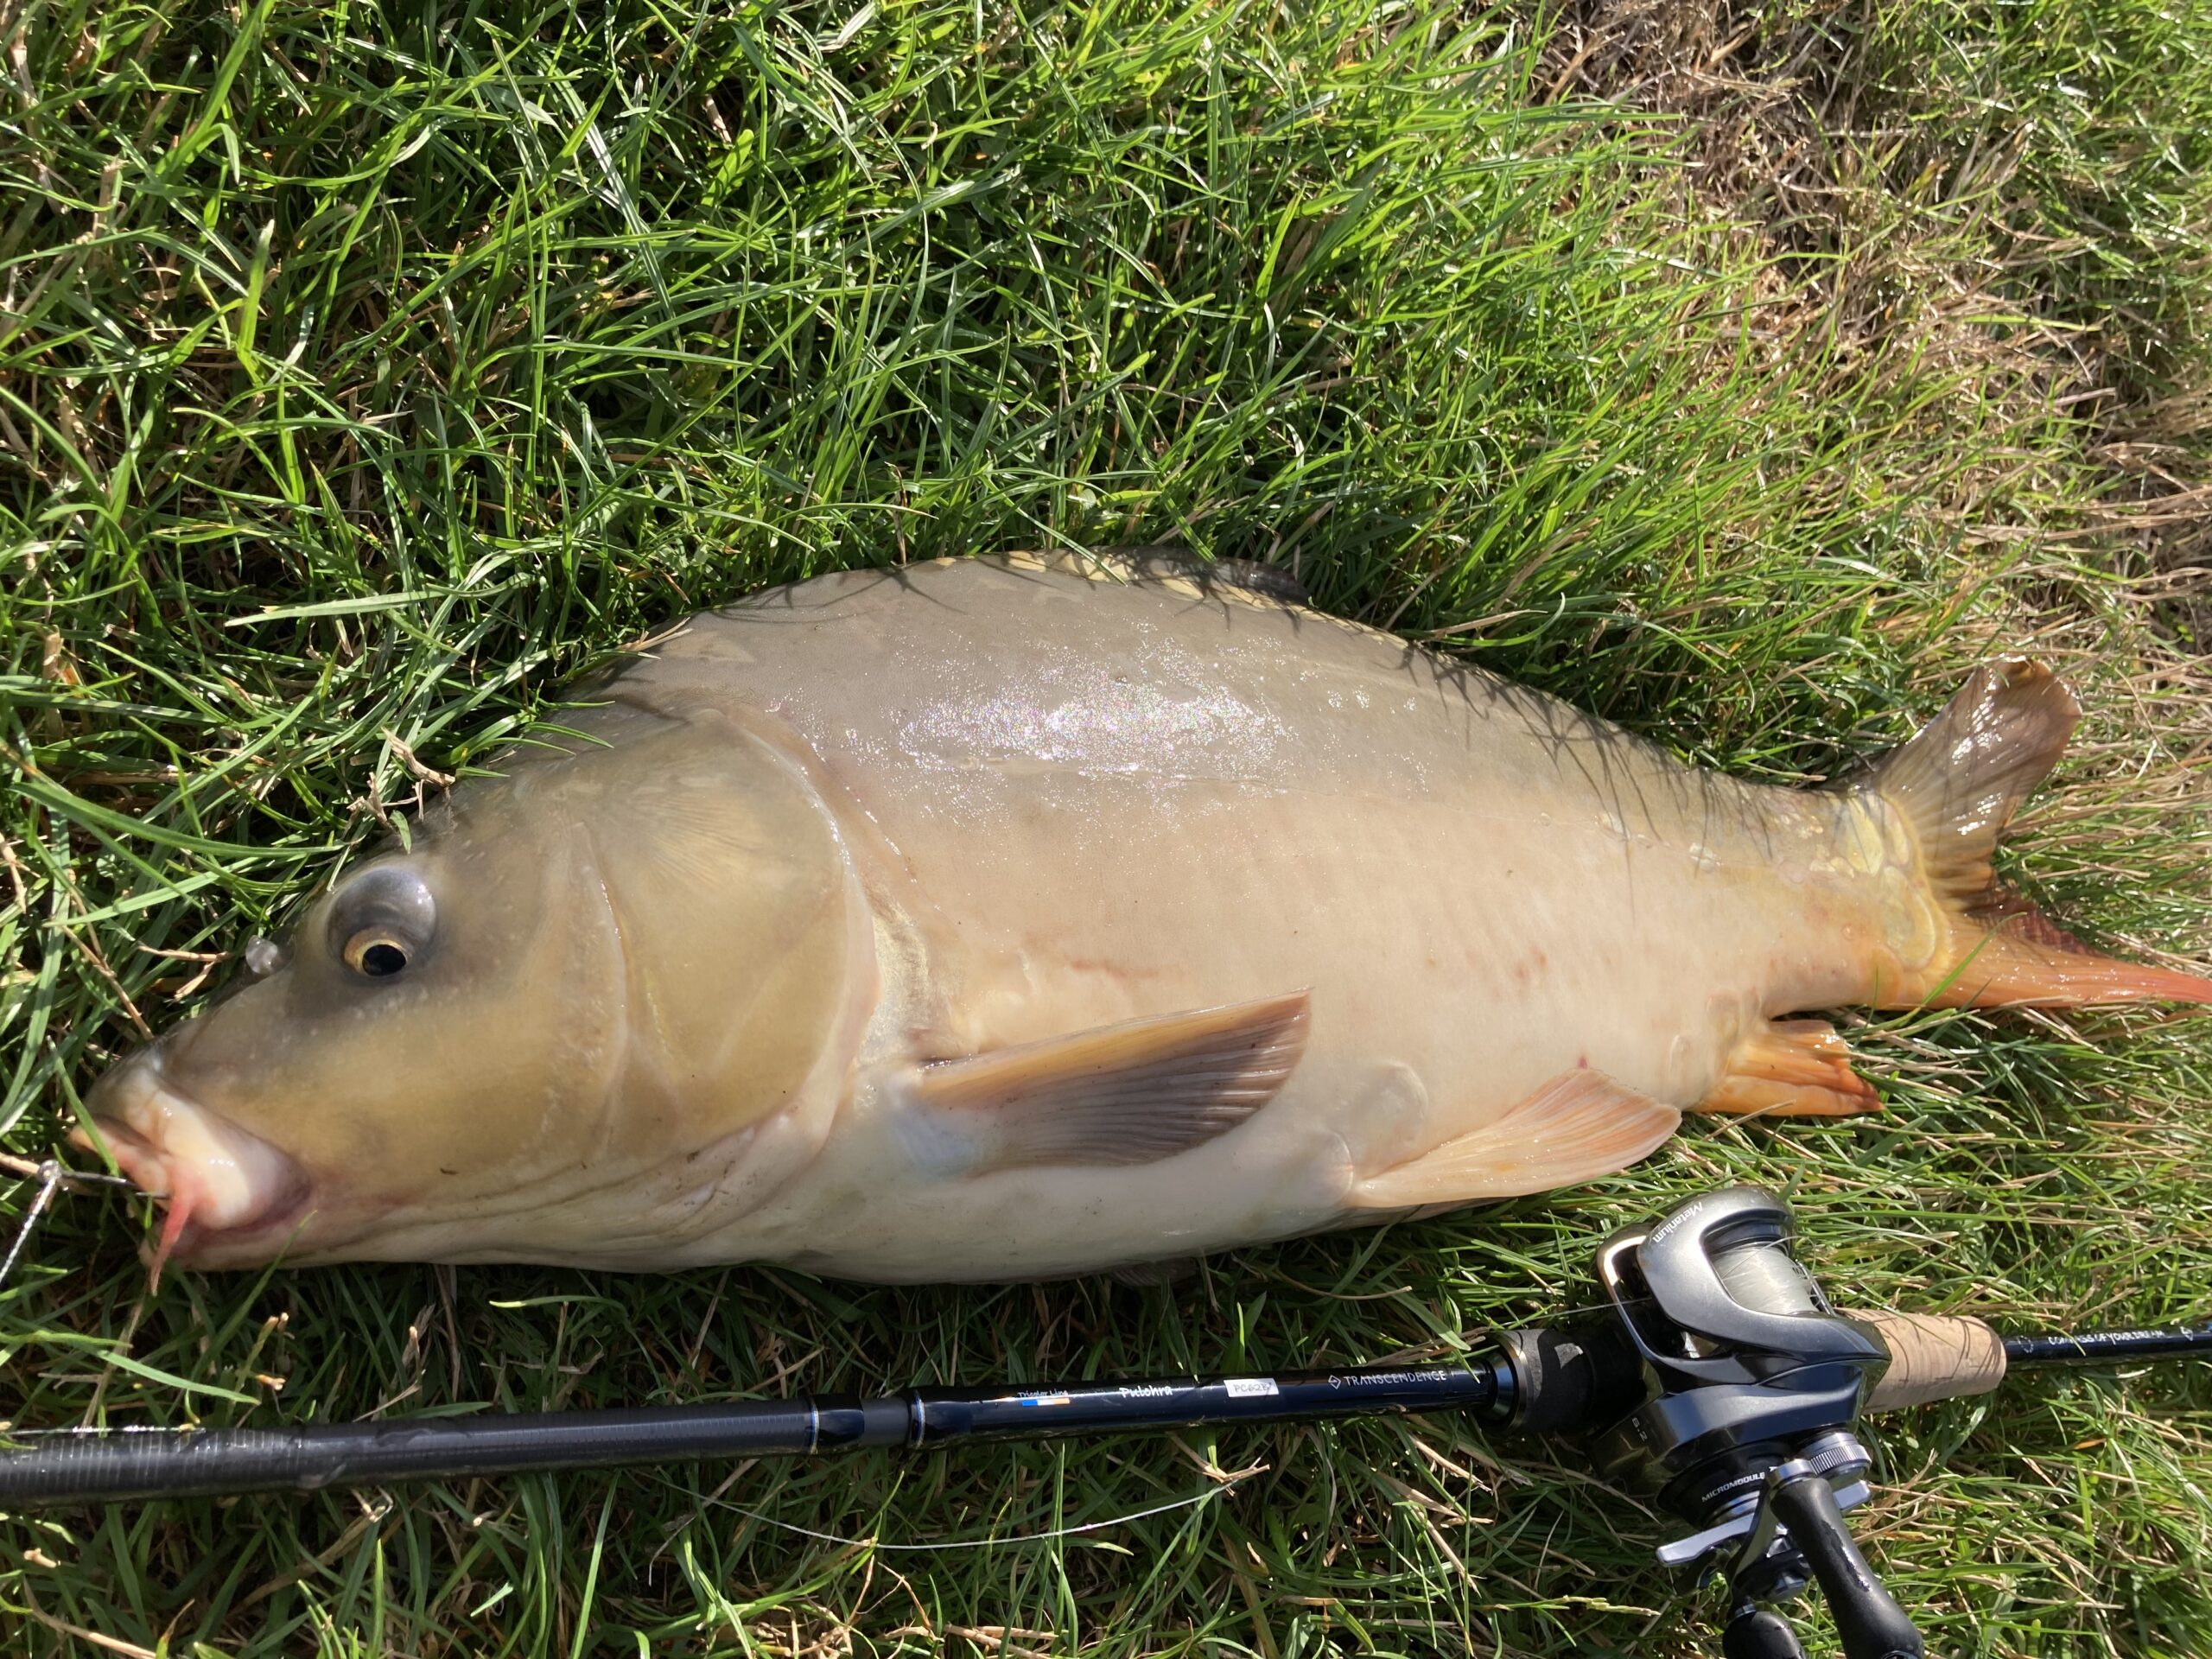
(229, 1197)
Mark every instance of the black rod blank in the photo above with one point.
(2090, 1347)
(105, 1464)
(44, 1467)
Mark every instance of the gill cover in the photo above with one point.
(636, 944)
(742, 933)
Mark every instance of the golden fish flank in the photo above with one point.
(1009, 918)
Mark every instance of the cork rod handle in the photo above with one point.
(1933, 1358)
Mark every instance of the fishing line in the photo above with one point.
(980, 1543)
(52, 1176)
(47, 1188)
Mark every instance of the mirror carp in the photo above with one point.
(1011, 918)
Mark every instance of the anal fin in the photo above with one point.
(1125, 1094)
(1793, 1068)
(1576, 1127)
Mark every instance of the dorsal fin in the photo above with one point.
(1273, 581)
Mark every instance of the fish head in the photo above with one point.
(487, 1045)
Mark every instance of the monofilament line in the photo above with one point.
(978, 1543)
(51, 1175)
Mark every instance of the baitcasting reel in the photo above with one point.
(1730, 1384)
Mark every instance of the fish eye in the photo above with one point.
(375, 953)
(382, 920)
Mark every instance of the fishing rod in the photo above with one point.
(1719, 1375)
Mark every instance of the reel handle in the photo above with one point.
(1867, 1617)
(1758, 1632)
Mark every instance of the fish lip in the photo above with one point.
(238, 1204)
(245, 1243)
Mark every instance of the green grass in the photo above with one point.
(365, 373)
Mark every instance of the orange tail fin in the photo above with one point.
(1958, 782)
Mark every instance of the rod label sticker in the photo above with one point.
(1251, 1387)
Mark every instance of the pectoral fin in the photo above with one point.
(1121, 1095)
(1581, 1125)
